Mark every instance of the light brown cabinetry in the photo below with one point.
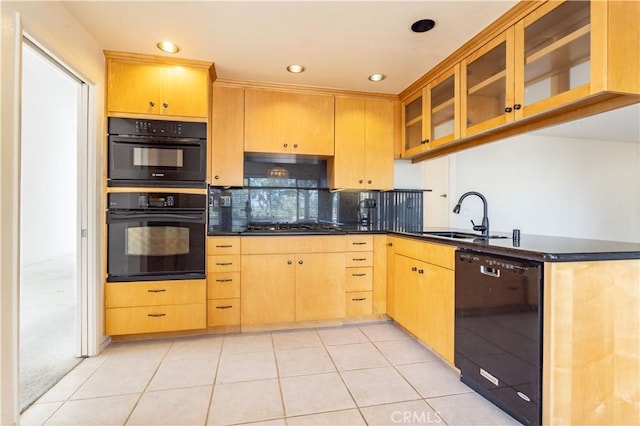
(286, 279)
(432, 116)
(288, 122)
(223, 281)
(424, 292)
(591, 343)
(157, 86)
(543, 63)
(364, 138)
(359, 275)
(154, 306)
(227, 136)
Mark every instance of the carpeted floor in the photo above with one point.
(47, 326)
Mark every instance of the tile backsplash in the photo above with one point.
(301, 196)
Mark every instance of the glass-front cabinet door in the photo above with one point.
(415, 139)
(487, 85)
(556, 57)
(442, 105)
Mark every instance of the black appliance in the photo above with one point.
(156, 236)
(498, 331)
(157, 153)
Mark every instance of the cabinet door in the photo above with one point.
(227, 133)
(437, 301)
(554, 55)
(443, 112)
(414, 132)
(347, 168)
(185, 92)
(134, 88)
(267, 288)
(286, 122)
(487, 78)
(320, 286)
(390, 275)
(405, 292)
(379, 145)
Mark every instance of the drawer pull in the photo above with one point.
(226, 280)
(359, 299)
(156, 315)
(224, 307)
(158, 290)
(224, 246)
(359, 244)
(224, 263)
(358, 275)
(359, 259)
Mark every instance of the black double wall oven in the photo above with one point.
(159, 233)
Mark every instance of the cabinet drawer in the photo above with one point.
(151, 319)
(223, 285)
(224, 263)
(358, 303)
(357, 242)
(223, 245)
(436, 254)
(359, 259)
(287, 244)
(223, 312)
(154, 293)
(359, 279)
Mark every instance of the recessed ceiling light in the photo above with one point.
(377, 77)
(295, 68)
(423, 25)
(168, 46)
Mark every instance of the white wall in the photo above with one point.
(407, 175)
(49, 161)
(552, 186)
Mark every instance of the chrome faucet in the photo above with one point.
(484, 227)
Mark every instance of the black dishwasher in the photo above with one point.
(498, 330)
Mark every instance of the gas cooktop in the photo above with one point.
(291, 227)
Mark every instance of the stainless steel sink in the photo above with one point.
(459, 235)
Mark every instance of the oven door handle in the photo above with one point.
(157, 217)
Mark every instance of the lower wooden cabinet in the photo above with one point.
(155, 306)
(302, 279)
(223, 312)
(358, 303)
(423, 293)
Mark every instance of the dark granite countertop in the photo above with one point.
(533, 247)
(540, 247)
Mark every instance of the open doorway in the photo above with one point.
(51, 216)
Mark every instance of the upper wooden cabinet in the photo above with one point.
(287, 122)
(152, 86)
(543, 63)
(432, 116)
(364, 137)
(227, 136)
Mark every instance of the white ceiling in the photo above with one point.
(339, 42)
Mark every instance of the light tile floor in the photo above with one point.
(373, 374)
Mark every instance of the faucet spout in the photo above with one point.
(484, 227)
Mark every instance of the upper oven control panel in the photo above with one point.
(156, 200)
(166, 128)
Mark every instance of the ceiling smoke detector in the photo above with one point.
(423, 25)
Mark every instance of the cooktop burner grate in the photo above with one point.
(290, 227)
